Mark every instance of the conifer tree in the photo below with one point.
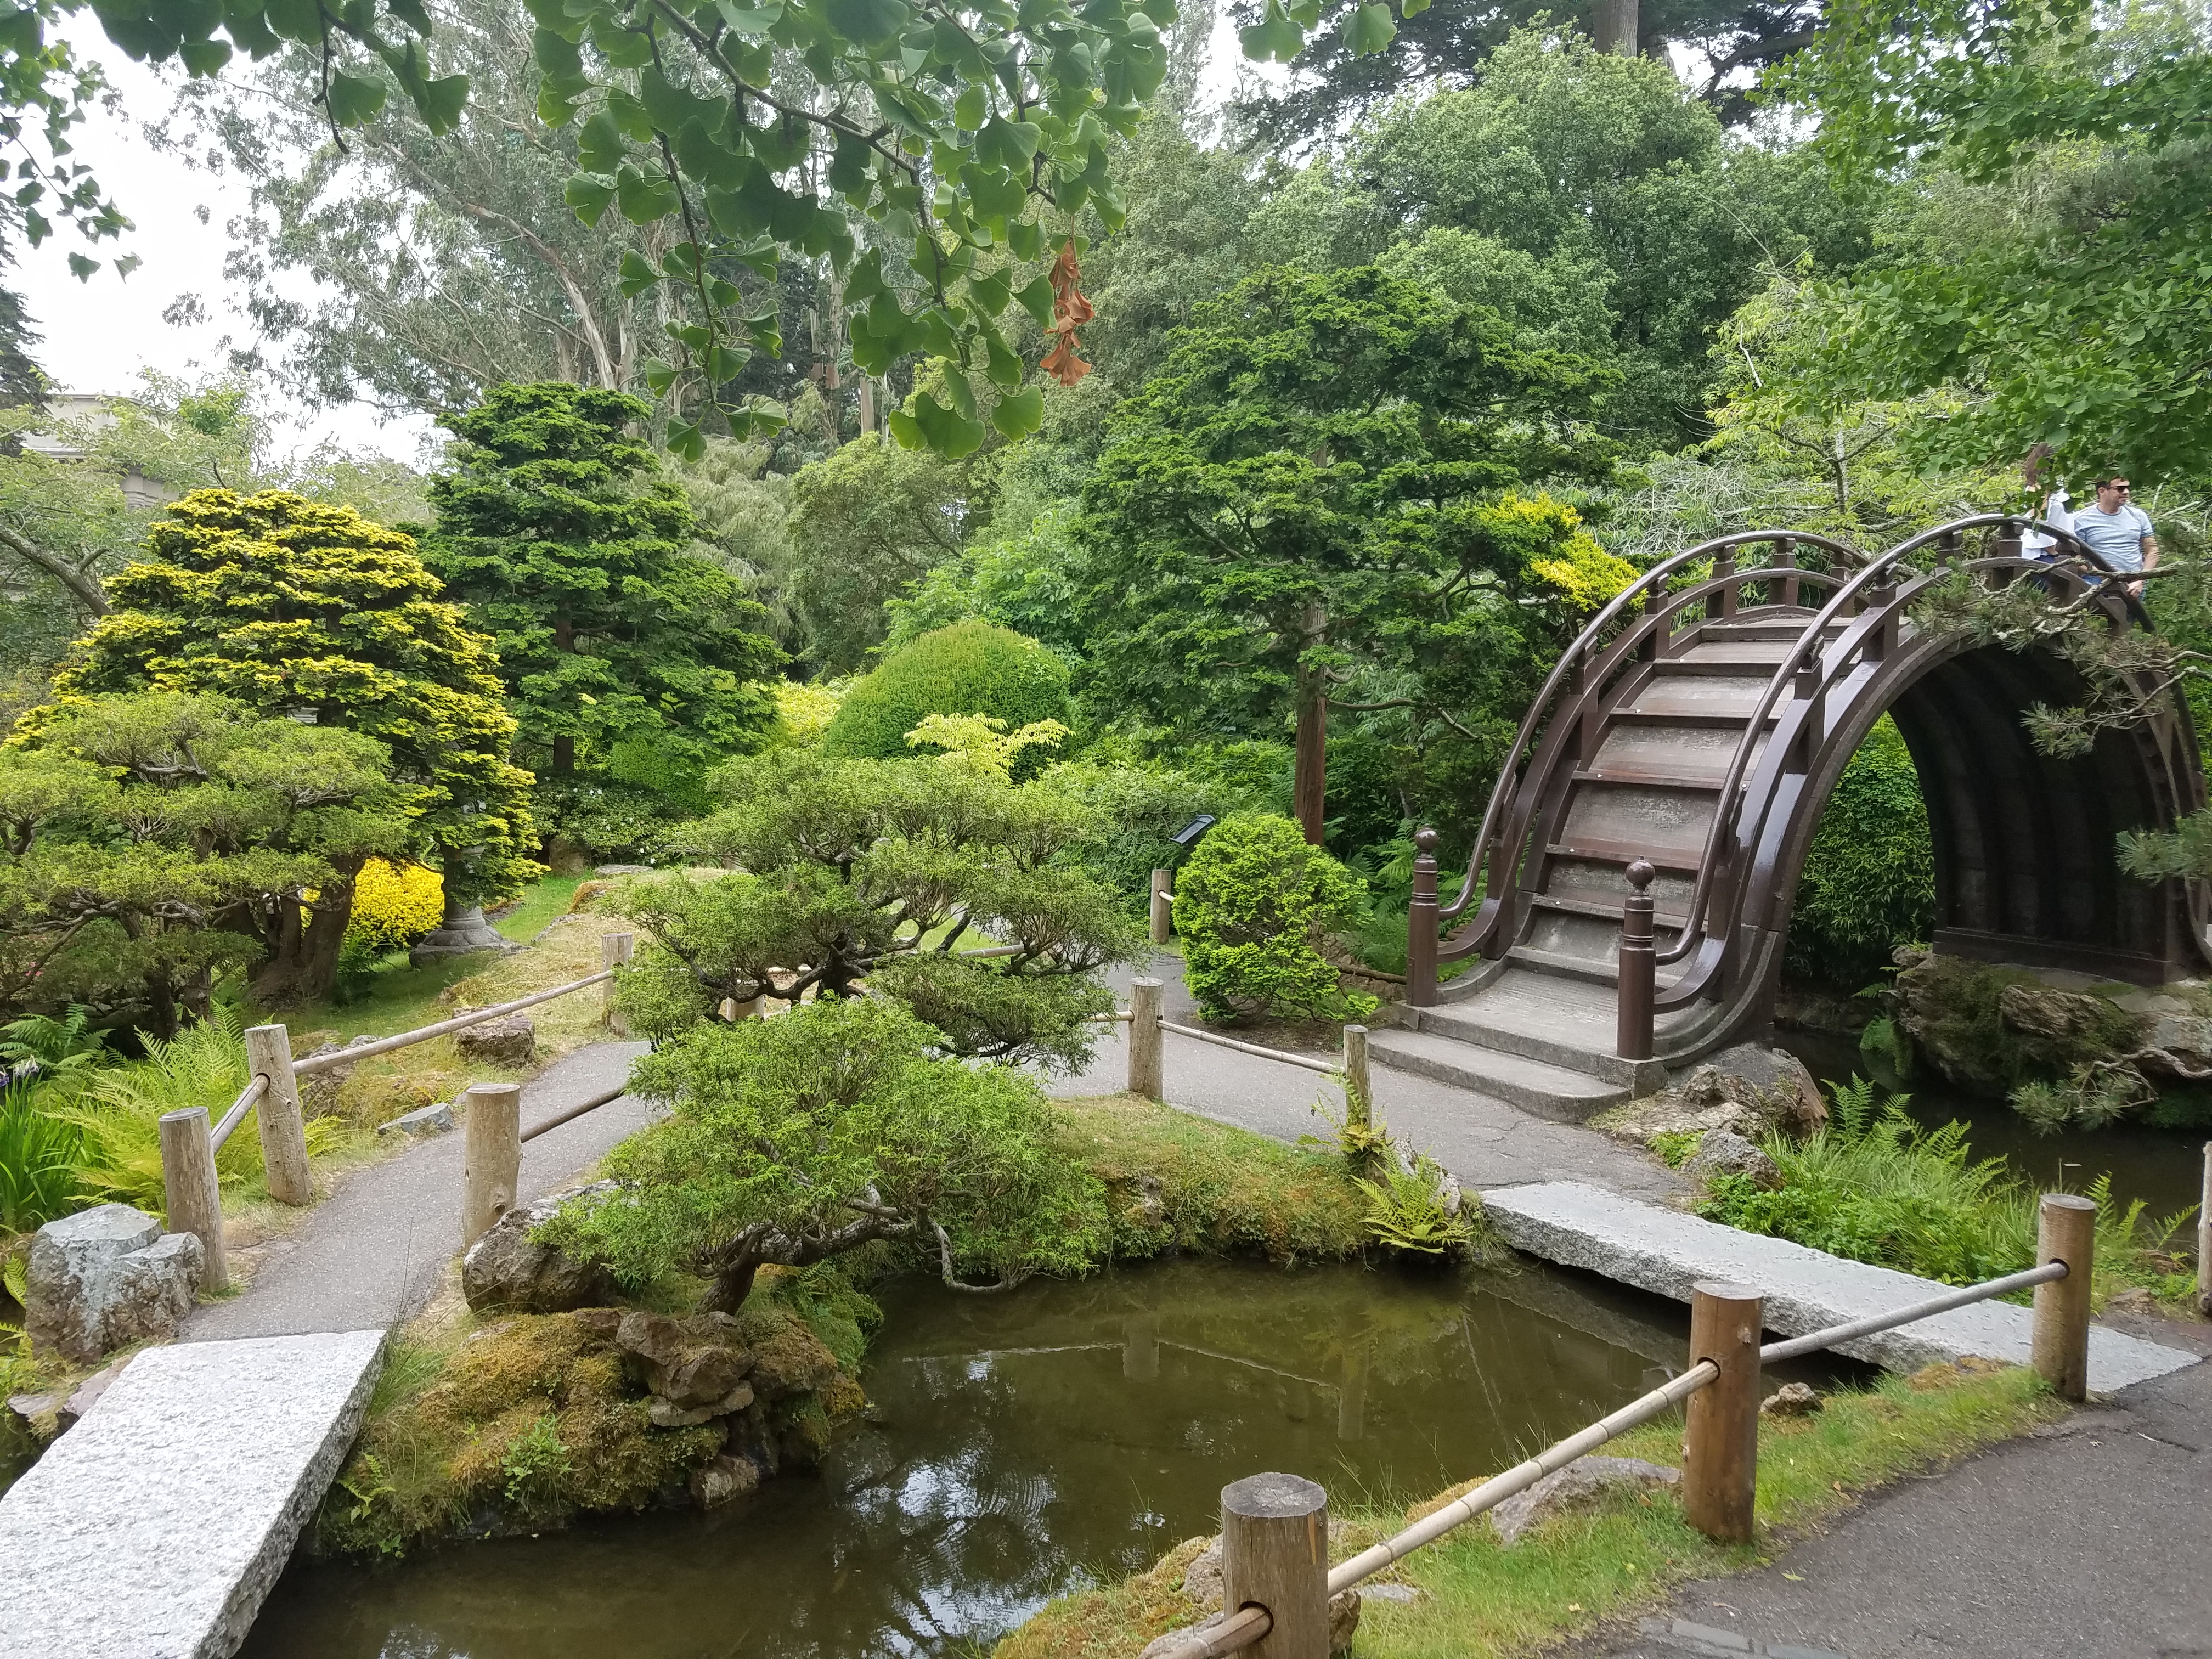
(626, 656)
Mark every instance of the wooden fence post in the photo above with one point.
(1144, 1070)
(1275, 1554)
(494, 1168)
(2065, 1231)
(614, 950)
(1720, 1461)
(1421, 925)
(2204, 1239)
(192, 1191)
(1632, 1021)
(1162, 907)
(1358, 1090)
(283, 1128)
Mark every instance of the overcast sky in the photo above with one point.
(98, 334)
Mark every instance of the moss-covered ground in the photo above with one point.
(1609, 1562)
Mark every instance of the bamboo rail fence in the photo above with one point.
(1720, 1388)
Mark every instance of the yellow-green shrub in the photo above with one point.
(393, 906)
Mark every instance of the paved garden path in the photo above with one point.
(2085, 1538)
(370, 1253)
(1485, 1143)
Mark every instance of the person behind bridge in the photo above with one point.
(2117, 531)
(2035, 544)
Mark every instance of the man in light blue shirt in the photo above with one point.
(2116, 529)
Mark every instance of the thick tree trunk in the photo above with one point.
(731, 1287)
(1613, 26)
(1310, 784)
(303, 956)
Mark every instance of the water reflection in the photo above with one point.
(1019, 1446)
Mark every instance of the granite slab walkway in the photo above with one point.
(370, 1254)
(154, 1527)
(1666, 1252)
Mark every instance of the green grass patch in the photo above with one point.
(1217, 1188)
(542, 903)
(1621, 1556)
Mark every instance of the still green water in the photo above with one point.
(1021, 1446)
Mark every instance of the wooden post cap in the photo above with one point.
(1274, 1496)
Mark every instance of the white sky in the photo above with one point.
(98, 335)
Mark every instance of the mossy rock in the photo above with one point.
(1990, 1028)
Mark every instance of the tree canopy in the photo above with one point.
(1312, 504)
(568, 545)
(291, 608)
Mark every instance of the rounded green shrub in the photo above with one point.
(970, 668)
(1252, 909)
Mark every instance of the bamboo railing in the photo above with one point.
(1280, 1591)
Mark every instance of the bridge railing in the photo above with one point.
(1629, 628)
(191, 1189)
(1277, 1581)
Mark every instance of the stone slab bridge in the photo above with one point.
(1700, 723)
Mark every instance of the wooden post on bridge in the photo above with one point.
(2205, 1240)
(1421, 924)
(1720, 1442)
(1632, 1032)
(1724, 571)
(494, 1166)
(615, 948)
(192, 1191)
(1359, 1088)
(1882, 597)
(1275, 1554)
(1145, 1075)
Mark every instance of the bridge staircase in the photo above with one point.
(1697, 726)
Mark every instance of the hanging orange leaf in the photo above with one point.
(1062, 363)
(1070, 311)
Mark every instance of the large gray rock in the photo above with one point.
(509, 1269)
(693, 1362)
(1724, 1152)
(435, 1119)
(1578, 1485)
(509, 1041)
(107, 1276)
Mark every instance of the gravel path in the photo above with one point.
(370, 1253)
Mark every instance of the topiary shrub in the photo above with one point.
(1252, 908)
(394, 905)
(970, 668)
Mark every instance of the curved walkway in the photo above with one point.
(1485, 1142)
(370, 1253)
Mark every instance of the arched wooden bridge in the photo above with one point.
(1700, 723)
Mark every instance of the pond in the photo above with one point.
(2164, 1168)
(1021, 1446)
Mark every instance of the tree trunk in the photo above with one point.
(867, 403)
(731, 1287)
(1309, 787)
(1613, 26)
(303, 956)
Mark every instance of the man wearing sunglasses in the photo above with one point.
(2116, 528)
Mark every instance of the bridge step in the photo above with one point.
(1550, 1091)
(1563, 1021)
(157, 1525)
(1733, 696)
